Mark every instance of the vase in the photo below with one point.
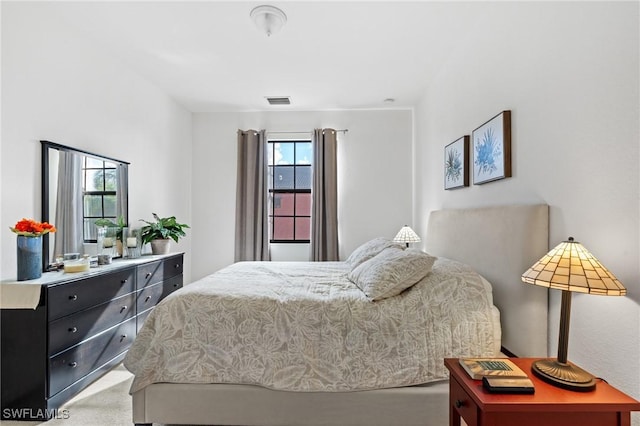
(29, 257)
(160, 246)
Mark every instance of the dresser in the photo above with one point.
(81, 327)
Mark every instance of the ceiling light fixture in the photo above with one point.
(268, 19)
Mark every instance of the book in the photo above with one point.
(500, 384)
(477, 368)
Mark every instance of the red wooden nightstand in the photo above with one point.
(549, 406)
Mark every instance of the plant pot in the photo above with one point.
(160, 246)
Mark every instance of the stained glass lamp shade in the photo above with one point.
(570, 267)
(406, 235)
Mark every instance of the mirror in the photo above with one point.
(78, 188)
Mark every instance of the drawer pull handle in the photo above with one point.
(73, 297)
(73, 329)
(459, 403)
(148, 275)
(73, 364)
(177, 265)
(122, 337)
(147, 299)
(123, 308)
(175, 285)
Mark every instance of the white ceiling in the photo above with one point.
(209, 56)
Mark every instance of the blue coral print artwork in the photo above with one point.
(489, 150)
(488, 153)
(454, 163)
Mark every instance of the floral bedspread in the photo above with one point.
(301, 326)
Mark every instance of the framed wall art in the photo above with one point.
(492, 149)
(456, 164)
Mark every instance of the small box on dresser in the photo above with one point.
(82, 326)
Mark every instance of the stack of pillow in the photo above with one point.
(382, 268)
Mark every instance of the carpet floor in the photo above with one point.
(105, 402)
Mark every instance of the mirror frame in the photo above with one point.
(45, 181)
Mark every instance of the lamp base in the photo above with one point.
(564, 375)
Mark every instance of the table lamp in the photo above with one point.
(570, 267)
(406, 235)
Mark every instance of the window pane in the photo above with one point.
(93, 205)
(304, 154)
(94, 163)
(110, 205)
(283, 177)
(303, 177)
(283, 228)
(283, 204)
(90, 230)
(303, 204)
(94, 181)
(283, 153)
(303, 228)
(270, 154)
(110, 180)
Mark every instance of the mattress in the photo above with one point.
(305, 327)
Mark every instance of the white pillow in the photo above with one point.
(369, 249)
(391, 272)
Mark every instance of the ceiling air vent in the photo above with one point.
(279, 100)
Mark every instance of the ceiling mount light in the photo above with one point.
(268, 19)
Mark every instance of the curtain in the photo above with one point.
(122, 182)
(68, 237)
(324, 216)
(252, 223)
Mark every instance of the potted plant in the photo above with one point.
(161, 232)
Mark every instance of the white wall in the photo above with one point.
(58, 86)
(568, 71)
(374, 175)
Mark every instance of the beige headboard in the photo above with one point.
(501, 243)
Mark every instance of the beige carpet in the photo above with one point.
(105, 403)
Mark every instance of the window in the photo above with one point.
(98, 194)
(290, 191)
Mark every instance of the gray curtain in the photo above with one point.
(252, 221)
(68, 221)
(324, 216)
(122, 202)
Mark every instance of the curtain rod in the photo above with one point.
(308, 131)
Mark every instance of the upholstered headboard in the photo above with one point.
(501, 243)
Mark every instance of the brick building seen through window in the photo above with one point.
(290, 195)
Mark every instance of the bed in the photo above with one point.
(499, 243)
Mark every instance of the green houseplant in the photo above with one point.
(160, 232)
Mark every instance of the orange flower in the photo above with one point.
(31, 228)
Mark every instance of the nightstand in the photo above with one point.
(549, 406)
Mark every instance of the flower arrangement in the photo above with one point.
(31, 228)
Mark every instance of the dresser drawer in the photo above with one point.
(72, 329)
(74, 363)
(149, 297)
(171, 285)
(462, 403)
(155, 272)
(72, 297)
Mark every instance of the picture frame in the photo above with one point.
(456, 163)
(492, 149)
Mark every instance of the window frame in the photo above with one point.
(272, 192)
(86, 238)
